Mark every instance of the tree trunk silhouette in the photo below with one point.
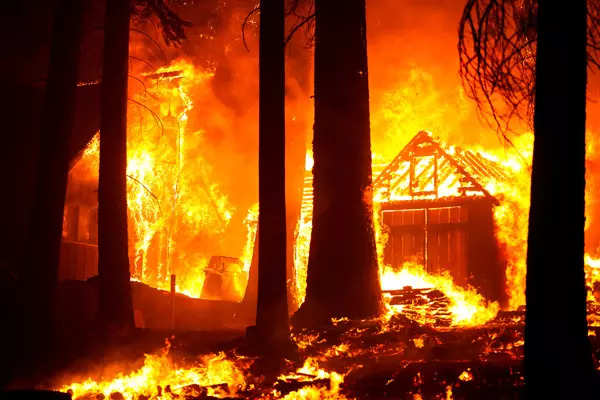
(115, 307)
(557, 349)
(39, 273)
(271, 313)
(343, 278)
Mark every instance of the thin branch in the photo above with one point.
(158, 46)
(172, 26)
(298, 26)
(497, 39)
(255, 9)
(135, 78)
(155, 115)
(147, 190)
(142, 61)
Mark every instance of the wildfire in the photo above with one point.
(216, 375)
(511, 216)
(251, 223)
(467, 307)
(310, 371)
(173, 200)
(466, 376)
(212, 374)
(304, 230)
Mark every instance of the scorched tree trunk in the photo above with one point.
(271, 312)
(39, 275)
(115, 308)
(557, 351)
(343, 278)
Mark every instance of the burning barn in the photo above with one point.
(439, 214)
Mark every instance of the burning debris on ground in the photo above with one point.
(354, 359)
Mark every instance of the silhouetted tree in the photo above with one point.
(295, 158)
(497, 42)
(272, 310)
(115, 306)
(557, 325)
(509, 54)
(39, 274)
(342, 276)
(115, 303)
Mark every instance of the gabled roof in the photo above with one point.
(427, 169)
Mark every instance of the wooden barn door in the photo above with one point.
(446, 252)
(433, 237)
(406, 241)
(446, 242)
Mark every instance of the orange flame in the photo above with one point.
(161, 370)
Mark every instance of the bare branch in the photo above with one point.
(135, 78)
(142, 61)
(497, 44)
(158, 46)
(154, 115)
(255, 9)
(147, 190)
(298, 26)
(172, 26)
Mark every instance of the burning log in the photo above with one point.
(285, 386)
(176, 74)
(194, 391)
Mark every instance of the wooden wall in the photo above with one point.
(459, 238)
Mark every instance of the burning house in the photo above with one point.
(439, 214)
(437, 209)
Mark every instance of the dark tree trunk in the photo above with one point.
(557, 350)
(271, 312)
(40, 268)
(115, 307)
(343, 278)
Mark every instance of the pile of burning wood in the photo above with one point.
(421, 305)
